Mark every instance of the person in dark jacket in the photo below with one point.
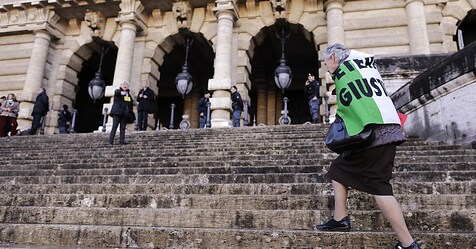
(202, 108)
(146, 99)
(64, 120)
(311, 89)
(237, 106)
(121, 108)
(39, 110)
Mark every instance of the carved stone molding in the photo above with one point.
(226, 6)
(132, 10)
(183, 13)
(279, 8)
(31, 19)
(95, 21)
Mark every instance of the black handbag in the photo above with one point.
(338, 140)
(129, 115)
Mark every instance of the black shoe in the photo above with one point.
(414, 245)
(335, 226)
(124, 143)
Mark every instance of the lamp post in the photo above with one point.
(96, 86)
(326, 99)
(183, 80)
(283, 76)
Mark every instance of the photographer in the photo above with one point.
(311, 89)
(10, 108)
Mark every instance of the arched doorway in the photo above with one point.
(89, 113)
(467, 29)
(301, 55)
(200, 65)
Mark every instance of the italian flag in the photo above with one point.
(361, 95)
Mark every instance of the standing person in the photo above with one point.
(146, 99)
(237, 106)
(311, 89)
(202, 108)
(121, 107)
(8, 117)
(39, 110)
(64, 120)
(368, 169)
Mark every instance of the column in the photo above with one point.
(271, 107)
(124, 60)
(124, 54)
(261, 108)
(335, 21)
(220, 84)
(195, 96)
(36, 68)
(417, 28)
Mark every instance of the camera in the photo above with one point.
(9, 102)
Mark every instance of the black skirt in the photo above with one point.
(369, 171)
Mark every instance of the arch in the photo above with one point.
(453, 15)
(306, 19)
(74, 54)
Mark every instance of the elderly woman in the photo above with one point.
(361, 101)
(9, 108)
(120, 112)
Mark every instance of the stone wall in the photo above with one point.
(440, 101)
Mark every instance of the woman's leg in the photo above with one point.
(115, 123)
(3, 123)
(340, 200)
(392, 212)
(122, 131)
(14, 125)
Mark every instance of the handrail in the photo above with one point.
(446, 70)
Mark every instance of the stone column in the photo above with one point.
(335, 21)
(262, 105)
(124, 60)
(278, 104)
(271, 107)
(36, 68)
(220, 84)
(195, 96)
(417, 28)
(124, 55)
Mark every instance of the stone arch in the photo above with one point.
(453, 13)
(306, 16)
(161, 41)
(74, 52)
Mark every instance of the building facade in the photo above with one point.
(57, 44)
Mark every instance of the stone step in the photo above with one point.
(287, 189)
(441, 220)
(133, 169)
(162, 237)
(357, 201)
(216, 152)
(407, 176)
(183, 159)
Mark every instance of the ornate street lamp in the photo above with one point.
(96, 86)
(183, 80)
(283, 74)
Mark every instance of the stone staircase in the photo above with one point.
(259, 187)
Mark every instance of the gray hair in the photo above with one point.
(338, 50)
(125, 82)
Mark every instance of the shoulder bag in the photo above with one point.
(338, 140)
